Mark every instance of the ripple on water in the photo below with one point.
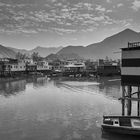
(78, 83)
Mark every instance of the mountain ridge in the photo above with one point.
(5, 52)
(98, 50)
(42, 51)
(107, 47)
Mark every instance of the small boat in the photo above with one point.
(121, 124)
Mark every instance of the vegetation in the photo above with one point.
(20, 56)
(35, 56)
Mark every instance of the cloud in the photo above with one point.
(100, 18)
(90, 29)
(109, 11)
(58, 16)
(124, 22)
(119, 4)
(136, 5)
(108, 1)
(100, 8)
(62, 31)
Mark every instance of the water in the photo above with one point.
(44, 109)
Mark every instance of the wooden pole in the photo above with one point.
(129, 101)
(123, 100)
(138, 107)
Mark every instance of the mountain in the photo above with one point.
(63, 56)
(70, 56)
(6, 52)
(42, 51)
(52, 57)
(107, 47)
(79, 50)
(19, 50)
(45, 51)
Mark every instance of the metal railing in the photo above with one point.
(134, 44)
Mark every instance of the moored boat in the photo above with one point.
(121, 124)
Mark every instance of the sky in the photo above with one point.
(26, 24)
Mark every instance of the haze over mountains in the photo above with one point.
(107, 47)
(41, 50)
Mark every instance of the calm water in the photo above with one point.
(43, 109)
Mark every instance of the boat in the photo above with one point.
(121, 124)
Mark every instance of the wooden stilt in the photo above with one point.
(129, 101)
(123, 100)
(138, 107)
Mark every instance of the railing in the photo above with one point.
(134, 44)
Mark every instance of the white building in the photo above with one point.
(43, 65)
(20, 66)
(75, 67)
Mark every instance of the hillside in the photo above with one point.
(63, 56)
(19, 50)
(41, 50)
(108, 47)
(79, 50)
(6, 52)
(45, 51)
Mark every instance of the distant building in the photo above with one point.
(108, 68)
(43, 66)
(8, 63)
(1, 68)
(11, 67)
(28, 61)
(19, 66)
(31, 68)
(58, 65)
(90, 66)
(76, 67)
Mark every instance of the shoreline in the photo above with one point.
(6, 79)
(63, 78)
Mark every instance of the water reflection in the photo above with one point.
(14, 87)
(8, 88)
(110, 87)
(40, 82)
(103, 85)
(56, 109)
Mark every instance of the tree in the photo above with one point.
(35, 56)
(20, 56)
